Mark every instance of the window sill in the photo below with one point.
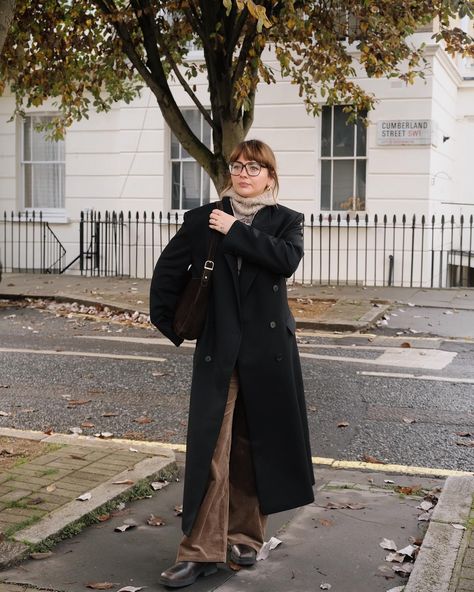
(52, 215)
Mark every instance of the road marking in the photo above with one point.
(431, 359)
(142, 340)
(409, 358)
(419, 377)
(51, 352)
(358, 465)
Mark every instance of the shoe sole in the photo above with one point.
(205, 572)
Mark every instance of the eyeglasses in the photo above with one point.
(253, 168)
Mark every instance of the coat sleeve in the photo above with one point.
(280, 255)
(169, 280)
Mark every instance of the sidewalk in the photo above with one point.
(76, 465)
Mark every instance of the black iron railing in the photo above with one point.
(346, 249)
(28, 244)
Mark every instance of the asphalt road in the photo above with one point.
(404, 405)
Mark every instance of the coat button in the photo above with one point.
(272, 324)
(208, 359)
(279, 357)
(275, 288)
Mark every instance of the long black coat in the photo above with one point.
(248, 326)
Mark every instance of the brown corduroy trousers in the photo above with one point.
(230, 512)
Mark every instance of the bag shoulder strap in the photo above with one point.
(209, 264)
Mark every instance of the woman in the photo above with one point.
(248, 451)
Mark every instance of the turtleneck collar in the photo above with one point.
(245, 208)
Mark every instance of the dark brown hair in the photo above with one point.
(259, 152)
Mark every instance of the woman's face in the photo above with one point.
(248, 186)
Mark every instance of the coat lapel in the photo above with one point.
(231, 259)
(248, 272)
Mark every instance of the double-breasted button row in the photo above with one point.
(279, 357)
(208, 359)
(276, 288)
(273, 324)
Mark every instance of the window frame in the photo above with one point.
(331, 158)
(50, 213)
(188, 159)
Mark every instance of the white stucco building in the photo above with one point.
(415, 158)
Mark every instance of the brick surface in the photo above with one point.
(467, 572)
(15, 495)
(465, 586)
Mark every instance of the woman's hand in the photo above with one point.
(221, 221)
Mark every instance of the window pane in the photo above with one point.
(48, 187)
(175, 185)
(191, 185)
(325, 184)
(361, 184)
(206, 133)
(28, 185)
(206, 188)
(193, 119)
(27, 139)
(174, 146)
(343, 134)
(361, 139)
(326, 126)
(343, 184)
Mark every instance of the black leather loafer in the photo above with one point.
(185, 573)
(243, 554)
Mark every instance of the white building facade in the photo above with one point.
(414, 159)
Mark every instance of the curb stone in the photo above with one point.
(441, 549)
(53, 524)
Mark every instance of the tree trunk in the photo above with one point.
(7, 10)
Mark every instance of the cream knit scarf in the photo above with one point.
(245, 208)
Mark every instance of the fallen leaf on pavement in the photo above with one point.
(371, 459)
(87, 424)
(464, 434)
(124, 527)
(143, 419)
(267, 547)
(123, 482)
(395, 557)
(325, 522)
(104, 435)
(325, 586)
(388, 544)
(103, 517)
(101, 585)
(35, 501)
(342, 424)
(109, 414)
(130, 589)
(458, 526)
(408, 551)
(468, 444)
(425, 506)
(408, 490)
(157, 485)
(409, 420)
(77, 457)
(51, 488)
(84, 497)
(155, 520)
(43, 555)
(388, 481)
(4, 414)
(76, 402)
(234, 567)
(403, 569)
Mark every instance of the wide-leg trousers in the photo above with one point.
(230, 512)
